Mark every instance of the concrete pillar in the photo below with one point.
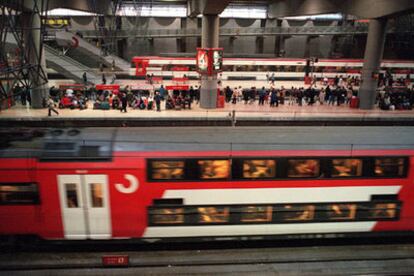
(32, 39)
(209, 39)
(279, 41)
(259, 44)
(372, 61)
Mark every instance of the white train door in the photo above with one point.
(84, 201)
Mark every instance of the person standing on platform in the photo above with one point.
(29, 96)
(51, 107)
(124, 103)
(163, 91)
(23, 96)
(157, 99)
(103, 79)
(85, 78)
(262, 94)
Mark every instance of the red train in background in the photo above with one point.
(161, 184)
(262, 68)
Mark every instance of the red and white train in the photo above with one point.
(161, 184)
(260, 68)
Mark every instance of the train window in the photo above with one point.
(384, 211)
(167, 215)
(346, 167)
(303, 168)
(389, 166)
(298, 212)
(167, 169)
(259, 168)
(213, 214)
(18, 193)
(71, 195)
(96, 195)
(256, 214)
(342, 211)
(214, 169)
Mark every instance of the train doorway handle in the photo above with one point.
(133, 184)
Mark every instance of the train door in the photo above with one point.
(84, 201)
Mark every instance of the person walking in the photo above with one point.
(51, 107)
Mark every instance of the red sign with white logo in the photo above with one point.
(110, 87)
(176, 87)
(180, 68)
(115, 260)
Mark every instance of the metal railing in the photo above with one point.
(267, 31)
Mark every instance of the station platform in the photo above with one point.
(239, 114)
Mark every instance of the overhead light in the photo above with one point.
(329, 16)
(68, 12)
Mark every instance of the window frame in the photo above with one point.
(406, 165)
(364, 168)
(35, 194)
(321, 166)
(192, 169)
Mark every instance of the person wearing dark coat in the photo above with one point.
(157, 99)
(124, 103)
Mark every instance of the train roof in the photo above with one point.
(100, 143)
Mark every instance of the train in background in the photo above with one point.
(157, 184)
(262, 68)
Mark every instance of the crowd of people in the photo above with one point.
(331, 95)
(392, 94)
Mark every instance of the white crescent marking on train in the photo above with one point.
(133, 186)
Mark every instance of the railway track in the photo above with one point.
(386, 259)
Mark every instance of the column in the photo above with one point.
(34, 49)
(209, 39)
(372, 61)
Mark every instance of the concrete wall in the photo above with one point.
(294, 46)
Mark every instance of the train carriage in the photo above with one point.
(261, 68)
(162, 184)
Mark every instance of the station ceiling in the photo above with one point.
(276, 8)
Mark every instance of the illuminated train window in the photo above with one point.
(342, 211)
(167, 215)
(346, 167)
(303, 168)
(256, 214)
(18, 193)
(214, 169)
(298, 212)
(213, 214)
(389, 166)
(259, 168)
(384, 211)
(167, 169)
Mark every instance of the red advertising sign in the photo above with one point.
(209, 60)
(140, 66)
(110, 87)
(177, 87)
(73, 86)
(180, 68)
(115, 260)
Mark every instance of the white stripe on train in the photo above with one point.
(258, 229)
(280, 195)
(272, 196)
